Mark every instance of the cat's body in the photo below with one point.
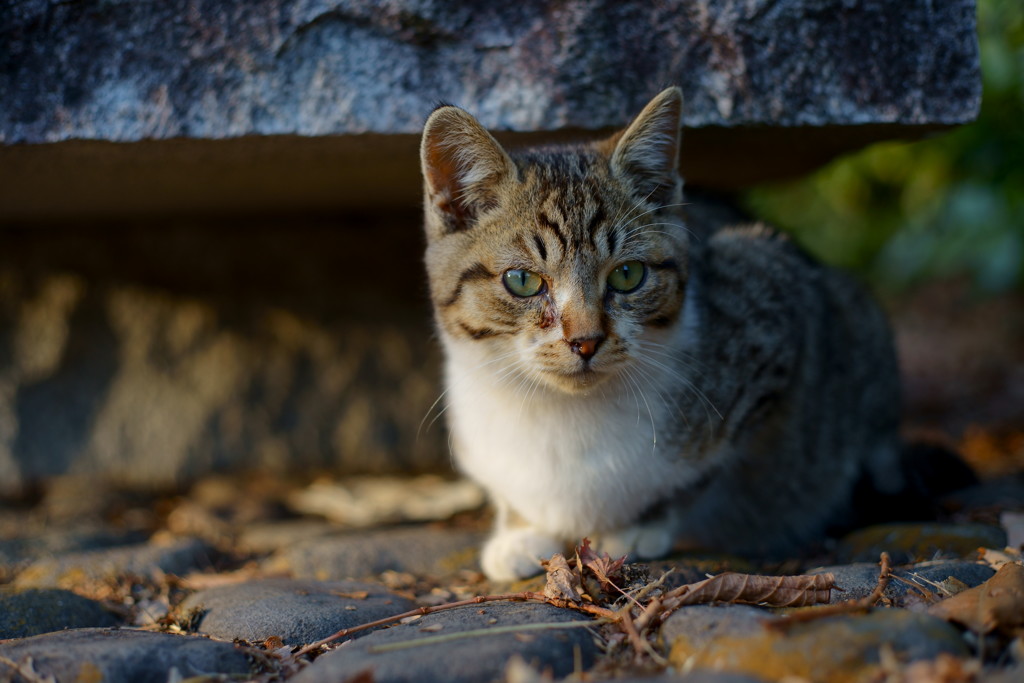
(611, 375)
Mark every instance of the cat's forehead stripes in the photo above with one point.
(571, 207)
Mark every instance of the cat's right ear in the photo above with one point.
(647, 151)
(462, 167)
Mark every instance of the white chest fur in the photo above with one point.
(569, 465)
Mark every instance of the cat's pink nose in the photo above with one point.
(585, 348)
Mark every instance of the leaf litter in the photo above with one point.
(589, 583)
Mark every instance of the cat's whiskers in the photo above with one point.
(653, 381)
(627, 372)
(688, 384)
(629, 212)
(688, 360)
(447, 389)
(657, 208)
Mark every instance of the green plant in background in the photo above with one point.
(951, 205)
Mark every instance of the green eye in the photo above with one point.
(627, 276)
(523, 282)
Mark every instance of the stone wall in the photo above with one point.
(148, 354)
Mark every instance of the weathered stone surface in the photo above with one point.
(270, 536)
(480, 657)
(220, 100)
(841, 649)
(914, 542)
(17, 550)
(115, 656)
(128, 72)
(173, 556)
(417, 550)
(296, 611)
(701, 624)
(859, 580)
(30, 612)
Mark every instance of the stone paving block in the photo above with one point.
(859, 580)
(29, 612)
(914, 542)
(119, 656)
(172, 556)
(467, 660)
(297, 611)
(418, 550)
(839, 649)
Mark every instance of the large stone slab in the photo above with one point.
(134, 71)
(268, 104)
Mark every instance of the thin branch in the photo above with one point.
(524, 596)
(419, 611)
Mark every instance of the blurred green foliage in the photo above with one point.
(950, 205)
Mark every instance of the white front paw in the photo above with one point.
(639, 542)
(512, 554)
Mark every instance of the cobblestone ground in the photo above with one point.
(228, 583)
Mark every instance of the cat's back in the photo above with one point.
(800, 359)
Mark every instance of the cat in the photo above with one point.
(610, 374)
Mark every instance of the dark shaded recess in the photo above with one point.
(55, 414)
(278, 174)
(332, 268)
(930, 473)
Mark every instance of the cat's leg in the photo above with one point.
(515, 549)
(646, 540)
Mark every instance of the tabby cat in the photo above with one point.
(611, 375)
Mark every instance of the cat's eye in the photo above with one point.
(522, 282)
(627, 276)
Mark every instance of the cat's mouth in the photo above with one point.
(578, 380)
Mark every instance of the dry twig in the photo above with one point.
(847, 607)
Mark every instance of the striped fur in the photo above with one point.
(731, 400)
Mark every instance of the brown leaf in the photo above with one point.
(776, 591)
(607, 570)
(996, 605)
(562, 582)
(353, 595)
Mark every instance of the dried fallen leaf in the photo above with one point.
(996, 605)
(607, 570)
(562, 582)
(432, 628)
(776, 591)
(997, 558)
(354, 595)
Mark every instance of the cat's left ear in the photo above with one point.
(462, 167)
(647, 152)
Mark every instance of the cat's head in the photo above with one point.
(560, 264)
